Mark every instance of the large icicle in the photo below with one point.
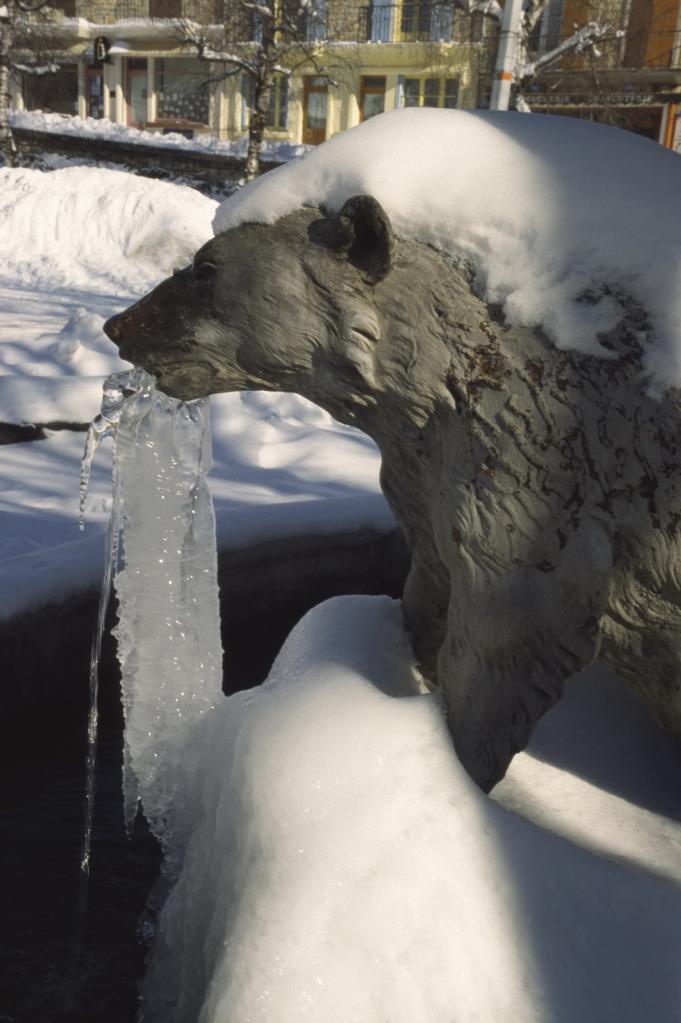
(168, 628)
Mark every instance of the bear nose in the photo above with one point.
(112, 329)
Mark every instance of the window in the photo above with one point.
(546, 33)
(56, 92)
(412, 92)
(315, 101)
(314, 22)
(277, 114)
(381, 22)
(409, 21)
(431, 92)
(164, 9)
(67, 7)
(442, 23)
(415, 21)
(428, 92)
(276, 118)
(254, 33)
(182, 89)
(372, 97)
(426, 22)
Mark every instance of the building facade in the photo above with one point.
(631, 79)
(129, 61)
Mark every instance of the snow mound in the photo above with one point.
(345, 868)
(92, 228)
(80, 347)
(559, 218)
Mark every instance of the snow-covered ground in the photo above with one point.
(91, 127)
(342, 866)
(77, 245)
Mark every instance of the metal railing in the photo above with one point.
(204, 12)
(244, 25)
(417, 22)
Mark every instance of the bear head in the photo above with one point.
(269, 307)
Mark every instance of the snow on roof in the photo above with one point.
(547, 210)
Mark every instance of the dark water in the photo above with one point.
(58, 965)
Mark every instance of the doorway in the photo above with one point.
(94, 92)
(136, 91)
(371, 97)
(314, 110)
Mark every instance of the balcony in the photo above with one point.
(417, 22)
(204, 12)
(243, 25)
(306, 25)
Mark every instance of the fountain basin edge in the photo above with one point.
(264, 589)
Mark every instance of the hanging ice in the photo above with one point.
(168, 628)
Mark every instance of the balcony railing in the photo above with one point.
(244, 25)
(417, 22)
(205, 12)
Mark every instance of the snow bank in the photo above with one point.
(281, 468)
(97, 229)
(101, 128)
(559, 218)
(345, 868)
(602, 772)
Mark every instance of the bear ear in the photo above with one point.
(362, 230)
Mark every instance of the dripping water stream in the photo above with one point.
(116, 388)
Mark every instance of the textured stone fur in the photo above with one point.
(538, 489)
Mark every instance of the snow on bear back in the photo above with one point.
(559, 218)
(95, 228)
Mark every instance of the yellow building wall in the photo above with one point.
(389, 60)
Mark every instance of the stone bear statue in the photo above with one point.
(538, 489)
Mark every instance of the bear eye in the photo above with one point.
(204, 272)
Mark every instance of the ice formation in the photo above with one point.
(105, 424)
(168, 628)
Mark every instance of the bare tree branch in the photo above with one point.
(26, 8)
(490, 8)
(277, 41)
(578, 42)
(27, 43)
(266, 12)
(36, 69)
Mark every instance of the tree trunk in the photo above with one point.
(7, 146)
(256, 131)
(262, 98)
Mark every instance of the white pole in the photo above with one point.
(152, 98)
(507, 55)
(82, 98)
